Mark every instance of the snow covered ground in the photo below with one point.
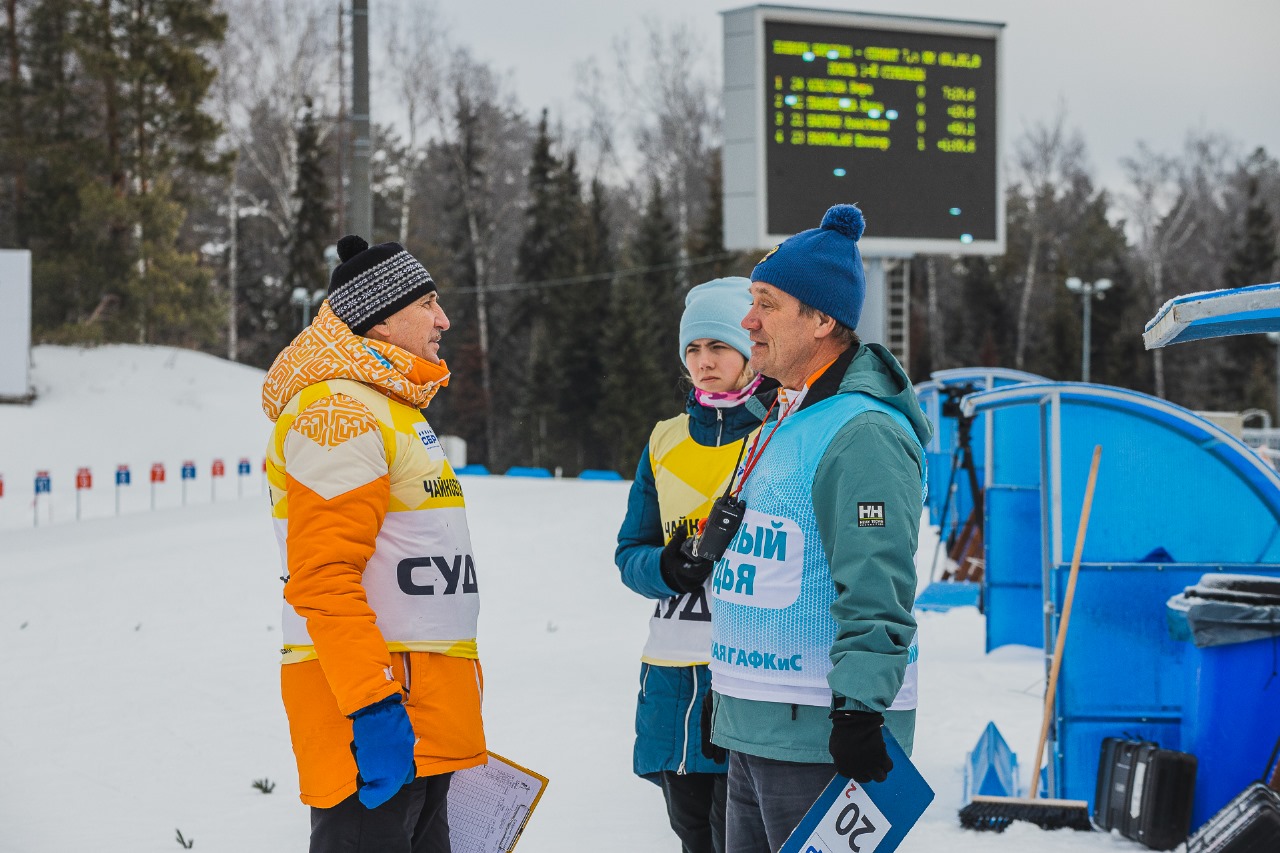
(138, 665)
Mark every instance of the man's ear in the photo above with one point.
(378, 331)
(826, 325)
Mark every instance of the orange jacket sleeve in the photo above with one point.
(338, 489)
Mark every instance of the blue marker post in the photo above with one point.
(43, 487)
(242, 470)
(188, 473)
(122, 479)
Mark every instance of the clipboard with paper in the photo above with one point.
(490, 805)
(864, 818)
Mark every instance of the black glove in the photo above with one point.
(718, 754)
(857, 746)
(680, 570)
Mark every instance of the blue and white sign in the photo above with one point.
(243, 468)
(870, 818)
(122, 475)
(188, 470)
(43, 486)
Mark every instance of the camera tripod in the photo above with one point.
(964, 546)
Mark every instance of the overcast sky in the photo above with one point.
(1124, 69)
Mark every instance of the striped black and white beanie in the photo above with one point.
(373, 282)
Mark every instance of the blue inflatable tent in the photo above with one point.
(1177, 497)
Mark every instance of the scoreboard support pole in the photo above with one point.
(871, 326)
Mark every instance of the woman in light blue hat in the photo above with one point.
(687, 463)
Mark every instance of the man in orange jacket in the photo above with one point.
(381, 677)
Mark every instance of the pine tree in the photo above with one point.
(1249, 377)
(113, 129)
(550, 250)
(313, 219)
(642, 339)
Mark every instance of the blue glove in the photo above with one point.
(383, 749)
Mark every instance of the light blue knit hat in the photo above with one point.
(715, 310)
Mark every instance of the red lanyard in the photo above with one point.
(753, 457)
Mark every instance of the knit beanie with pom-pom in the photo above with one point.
(373, 282)
(822, 266)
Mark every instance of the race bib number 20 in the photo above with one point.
(853, 823)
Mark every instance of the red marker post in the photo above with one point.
(218, 469)
(84, 480)
(157, 476)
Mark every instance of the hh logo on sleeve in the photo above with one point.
(871, 514)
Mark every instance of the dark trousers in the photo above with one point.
(415, 820)
(695, 807)
(767, 799)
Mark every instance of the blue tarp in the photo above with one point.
(1176, 497)
(1218, 313)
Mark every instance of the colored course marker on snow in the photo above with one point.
(157, 476)
(84, 480)
(123, 478)
(188, 473)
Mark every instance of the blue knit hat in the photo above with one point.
(715, 310)
(822, 266)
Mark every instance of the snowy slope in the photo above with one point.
(126, 405)
(139, 674)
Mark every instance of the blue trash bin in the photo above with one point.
(1231, 706)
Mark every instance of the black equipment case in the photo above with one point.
(1248, 824)
(1145, 792)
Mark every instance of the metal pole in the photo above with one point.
(361, 221)
(1277, 343)
(1087, 294)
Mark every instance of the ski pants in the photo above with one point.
(415, 820)
(695, 807)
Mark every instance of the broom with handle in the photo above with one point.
(996, 813)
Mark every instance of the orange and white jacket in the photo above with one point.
(381, 594)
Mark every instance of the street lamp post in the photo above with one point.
(305, 300)
(1087, 290)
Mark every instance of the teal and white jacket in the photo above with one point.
(812, 603)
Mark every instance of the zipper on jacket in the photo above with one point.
(644, 682)
(688, 714)
(479, 687)
(719, 426)
(404, 659)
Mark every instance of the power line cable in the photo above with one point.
(594, 277)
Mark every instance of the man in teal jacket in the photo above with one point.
(813, 640)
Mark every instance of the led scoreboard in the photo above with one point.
(899, 115)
